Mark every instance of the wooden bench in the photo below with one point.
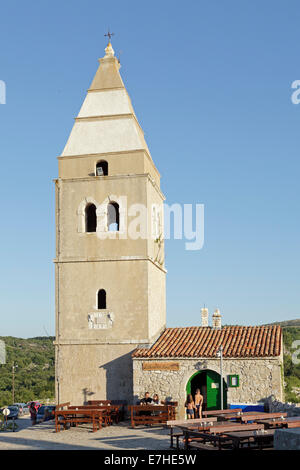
(200, 446)
(99, 402)
(291, 422)
(78, 416)
(261, 416)
(180, 422)
(235, 427)
(109, 412)
(174, 405)
(61, 406)
(150, 414)
(221, 412)
(117, 410)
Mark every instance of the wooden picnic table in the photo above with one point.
(150, 414)
(221, 412)
(250, 416)
(263, 438)
(237, 415)
(122, 404)
(229, 416)
(172, 424)
(217, 434)
(99, 402)
(284, 422)
(61, 406)
(112, 412)
(78, 416)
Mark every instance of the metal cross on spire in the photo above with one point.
(109, 35)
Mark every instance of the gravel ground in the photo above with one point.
(121, 437)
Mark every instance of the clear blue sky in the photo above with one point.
(211, 86)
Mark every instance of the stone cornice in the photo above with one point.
(96, 90)
(109, 117)
(116, 259)
(111, 177)
(67, 342)
(103, 154)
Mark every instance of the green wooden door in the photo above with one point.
(213, 383)
(213, 390)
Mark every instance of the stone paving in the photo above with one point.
(117, 437)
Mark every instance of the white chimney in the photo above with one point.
(217, 319)
(204, 316)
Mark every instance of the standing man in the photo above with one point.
(198, 403)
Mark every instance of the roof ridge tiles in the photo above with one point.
(237, 341)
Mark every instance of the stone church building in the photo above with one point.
(111, 336)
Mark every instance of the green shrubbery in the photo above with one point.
(34, 376)
(291, 370)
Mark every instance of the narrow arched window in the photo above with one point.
(90, 218)
(113, 217)
(102, 168)
(101, 301)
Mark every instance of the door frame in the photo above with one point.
(225, 388)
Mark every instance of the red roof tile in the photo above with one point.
(237, 341)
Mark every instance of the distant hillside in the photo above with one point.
(287, 323)
(34, 376)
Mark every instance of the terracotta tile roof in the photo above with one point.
(237, 341)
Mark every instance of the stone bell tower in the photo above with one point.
(110, 275)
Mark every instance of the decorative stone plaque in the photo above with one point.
(149, 365)
(101, 320)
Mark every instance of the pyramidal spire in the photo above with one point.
(107, 75)
(106, 121)
(109, 52)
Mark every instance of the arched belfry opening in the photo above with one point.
(90, 218)
(102, 168)
(101, 299)
(209, 383)
(113, 217)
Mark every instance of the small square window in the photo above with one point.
(233, 381)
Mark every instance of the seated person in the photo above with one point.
(155, 399)
(147, 400)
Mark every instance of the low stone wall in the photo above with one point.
(292, 409)
(287, 439)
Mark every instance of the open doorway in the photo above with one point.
(209, 383)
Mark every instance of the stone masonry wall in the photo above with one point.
(258, 379)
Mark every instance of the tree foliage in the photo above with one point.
(35, 374)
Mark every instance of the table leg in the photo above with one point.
(171, 437)
(186, 442)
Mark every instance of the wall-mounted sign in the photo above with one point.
(159, 365)
(100, 320)
(214, 385)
